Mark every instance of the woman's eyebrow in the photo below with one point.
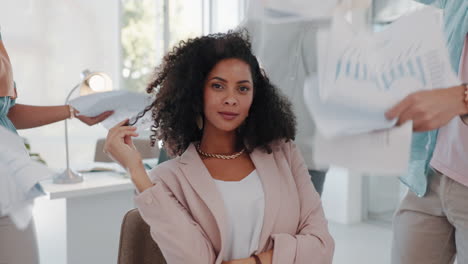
(219, 78)
(223, 80)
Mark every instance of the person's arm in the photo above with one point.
(178, 235)
(28, 116)
(119, 147)
(312, 243)
(432, 109)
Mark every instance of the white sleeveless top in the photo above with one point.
(244, 202)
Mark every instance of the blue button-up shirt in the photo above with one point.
(423, 144)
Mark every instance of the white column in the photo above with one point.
(342, 196)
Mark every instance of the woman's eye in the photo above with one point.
(244, 89)
(216, 86)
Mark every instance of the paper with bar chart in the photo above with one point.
(362, 75)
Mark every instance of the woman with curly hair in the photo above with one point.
(238, 190)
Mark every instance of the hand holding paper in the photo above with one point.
(92, 120)
(124, 104)
(362, 75)
(429, 110)
(384, 152)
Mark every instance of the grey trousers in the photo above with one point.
(17, 246)
(434, 228)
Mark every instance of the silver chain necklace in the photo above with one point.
(219, 156)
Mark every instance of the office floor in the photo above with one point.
(363, 243)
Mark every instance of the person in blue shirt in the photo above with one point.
(19, 246)
(431, 224)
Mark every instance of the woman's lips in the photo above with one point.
(228, 115)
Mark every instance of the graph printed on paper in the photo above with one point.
(423, 67)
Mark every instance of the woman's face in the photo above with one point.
(228, 95)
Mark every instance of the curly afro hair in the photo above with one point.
(178, 89)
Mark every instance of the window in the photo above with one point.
(141, 20)
(150, 28)
(185, 20)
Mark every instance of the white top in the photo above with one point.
(245, 203)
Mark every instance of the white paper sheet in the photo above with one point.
(18, 178)
(280, 11)
(124, 104)
(363, 75)
(382, 153)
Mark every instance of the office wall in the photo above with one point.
(50, 42)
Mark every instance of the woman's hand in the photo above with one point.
(265, 258)
(430, 110)
(95, 119)
(119, 146)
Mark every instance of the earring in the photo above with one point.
(199, 122)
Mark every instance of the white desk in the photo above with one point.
(80, 223)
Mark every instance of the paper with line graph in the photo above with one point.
(362, 75)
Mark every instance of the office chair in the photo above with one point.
(136, 245)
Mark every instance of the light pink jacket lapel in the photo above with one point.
(268, 172)
(201, 181)
(199, 177)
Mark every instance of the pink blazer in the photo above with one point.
(187, 219)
